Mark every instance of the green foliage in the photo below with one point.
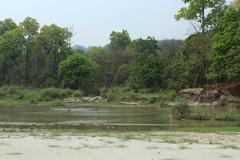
(35, 95)
(182, 109)
(49, 94)
(196, 10)
(122, 74)
(7, 25)
(78, 71)
(30, 57)
(189, 69)
(200, 113)
(147, 46)
(57, 103)
(230, 114)
(78, 93)
(148, 72)
(119, 40)
(225, 55)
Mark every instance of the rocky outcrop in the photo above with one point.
(210, 97)
(200, 95)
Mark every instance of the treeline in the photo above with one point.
(43, 57)
(29, 55)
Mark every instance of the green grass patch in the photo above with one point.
(57, 103)
(209, 129)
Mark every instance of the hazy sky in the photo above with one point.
(93, 20)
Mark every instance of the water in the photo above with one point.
(100, 117)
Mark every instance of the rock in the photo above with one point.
(192, 94)
(130, 103)
(229, 101)
(210, 96)
(192, 91)
(73, 100)
(92, 99)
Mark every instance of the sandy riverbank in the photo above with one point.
(165, 146)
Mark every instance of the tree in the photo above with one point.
(78, 72)
(202, 11)
(54, 42)
(190, 67)
(12, 47)
(225, 56)
(119, 40)
(106, 69)
(148, 73)
(7, 25)
(170, 47)
(146, 46)
(31, 27)
(148, 70)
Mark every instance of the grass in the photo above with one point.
(113, 96)
(229, 114)
(119, 94)
(210, 129)
(20, 95)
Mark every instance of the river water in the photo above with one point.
(143, 118)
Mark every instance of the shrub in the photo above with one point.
(57, 103)
(182, 109)
(78, 71)
(33, 101)
(231, 114)
(54, 93)
(78, 93)
(200, 113)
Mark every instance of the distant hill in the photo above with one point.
(80, 48)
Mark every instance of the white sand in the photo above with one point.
(26, 147)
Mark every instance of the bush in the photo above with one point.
(78, 93)
(54, 93)
(33, 101)
(182, 109)
(231, 114)
(6, 91)
(57, 103)
(201, 113)
(78, 71)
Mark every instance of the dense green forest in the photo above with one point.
(38, 57)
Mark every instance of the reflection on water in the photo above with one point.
(143, 117)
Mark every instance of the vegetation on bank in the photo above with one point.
(34, 96)
(182, 110)
(57, 97)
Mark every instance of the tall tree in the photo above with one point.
(55, 43)
(119, 40)
(31, 27)
(12, 47)
(201, 11)
(225, 56)
(146, 46)
(7, 25)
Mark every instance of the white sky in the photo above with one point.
(93, 20)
